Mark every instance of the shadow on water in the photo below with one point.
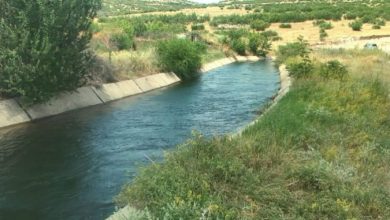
(71, 166)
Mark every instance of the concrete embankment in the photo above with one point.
(225, 61)
(12, 111)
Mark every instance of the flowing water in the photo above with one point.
(71, 166)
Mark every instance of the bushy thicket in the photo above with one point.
(258, 44)
(259, 25)
(157, 26)
(300, 48)
(44, 46)
(298, 12)
(181, 56)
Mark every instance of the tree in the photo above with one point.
(180, 56)
(44, 46)
(356, 25)
(259, 25)
(259, 44)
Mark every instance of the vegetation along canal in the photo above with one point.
(71, 166)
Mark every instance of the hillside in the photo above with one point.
(120, 7)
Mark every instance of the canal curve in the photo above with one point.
(71, 166)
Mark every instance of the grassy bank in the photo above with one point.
(322, 153)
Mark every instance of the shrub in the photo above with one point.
(299, 48)
(356, 25)
(122, 41)
(180, 56)
(44, 49)
(322, 24)
(376, 26)
(139, 28)
(238, 45)
(301, 69)
(259, 25)
(285, 25)
(323, 34)
(259, 44)
(197, 27)
(333, 69)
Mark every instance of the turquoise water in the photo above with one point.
(71, 166)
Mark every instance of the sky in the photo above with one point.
(206, 1)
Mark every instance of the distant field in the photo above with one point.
(340, 32)
(212, 11)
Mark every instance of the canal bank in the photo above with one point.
(128, 212)
(12, 111)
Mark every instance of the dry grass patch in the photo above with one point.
(361, 63)
(133, 64)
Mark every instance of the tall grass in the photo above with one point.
(133, 64)
(373, 64)
(322, 153)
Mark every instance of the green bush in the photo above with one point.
(333, 70)
(301, 69)
(197, 27)
(299, 48)
(259, 45)
(180, 56)
(238, 45)
(285, 25)
(139, 28)
(322, 24)
(323, 34)
(259, 25)
(356, 25)
(122, 41)
(44, 47)
(376, 26)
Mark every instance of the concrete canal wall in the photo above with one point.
(12, 112)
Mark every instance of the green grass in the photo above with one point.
(322, 153)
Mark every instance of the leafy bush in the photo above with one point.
(299, 48)
(139, 28)
(197, 27)
(121, 41)
(285, 25)
(322, 24)
(180, 56)
(44, 49)
(323, 34)
(238, 45)
(333, 69)
(259, 25)
(356, 25)
(259, 44)
(301, 69)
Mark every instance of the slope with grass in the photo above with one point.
(322, 153)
